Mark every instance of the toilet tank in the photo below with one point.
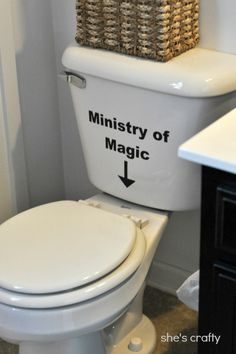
(133, 114)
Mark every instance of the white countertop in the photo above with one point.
(215, 146)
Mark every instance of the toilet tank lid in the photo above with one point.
(196, 73)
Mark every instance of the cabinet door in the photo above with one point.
(225, 309)
(217, 307)
(226, 219)
(13, 181)
(221, 320)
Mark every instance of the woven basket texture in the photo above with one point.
(154, 29)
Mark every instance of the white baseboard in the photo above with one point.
(166, 277)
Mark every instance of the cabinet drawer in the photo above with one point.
(225, 238)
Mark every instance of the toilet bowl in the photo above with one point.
(45, 304)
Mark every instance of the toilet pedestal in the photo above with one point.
(142, 340)
(90, 343)
(131, 333)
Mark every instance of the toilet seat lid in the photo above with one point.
(61, 246)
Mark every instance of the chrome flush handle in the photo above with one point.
(73, 79)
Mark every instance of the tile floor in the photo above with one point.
(168, 315)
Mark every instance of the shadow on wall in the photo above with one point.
(77, 184)
(13, 181)
(35, 59)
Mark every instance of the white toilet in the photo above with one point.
(72, 274)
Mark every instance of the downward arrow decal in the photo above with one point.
(127, 182)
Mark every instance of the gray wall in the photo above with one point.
(35, 57)
(177, 255)
(217, 25)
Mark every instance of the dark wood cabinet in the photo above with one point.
(217, 307)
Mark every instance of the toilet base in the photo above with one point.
(86, 344)
(141, 339)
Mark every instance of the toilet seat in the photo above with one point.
(119, 265)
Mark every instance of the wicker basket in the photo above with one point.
(155, 29)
